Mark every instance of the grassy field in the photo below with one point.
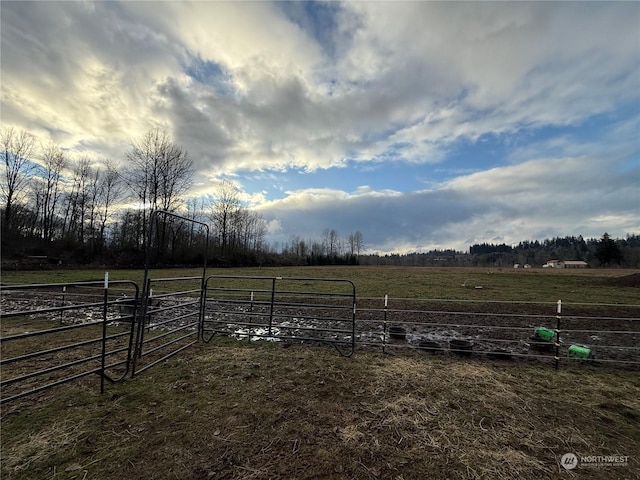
(239, 410)
(257, 410)
(537, 285)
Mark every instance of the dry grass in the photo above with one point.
(250, 410)
(501, 284)
(243, 410)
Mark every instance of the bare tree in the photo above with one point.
(92, 207)
(78, 200)
(302, 249)
(109, 192)
(226, 205)
(18, 149)
(236, 227)
(196, 211)
(356, 243)
(158, 174)
(298, 247)
(176, 177)
(258, 231)
(317, 249)
(330, 242)
(49, 188)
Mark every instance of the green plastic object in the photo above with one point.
(576, 351)
(545, 333)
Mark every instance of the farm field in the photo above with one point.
(609, 286)
(240, 409)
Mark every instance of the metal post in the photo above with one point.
(203, 304)
(273, 298)
(250, 317)
(559, 311)
(384, 327)
(64, 294)
(353, 321)
(139, 319)
(203, 283)
(104, 330)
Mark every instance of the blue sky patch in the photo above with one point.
(317, 19)
(211, 74)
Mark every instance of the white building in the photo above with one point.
(565, 264)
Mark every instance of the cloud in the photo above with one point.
(417, 74)
(532, 200)
(80, 74)
(283, 88)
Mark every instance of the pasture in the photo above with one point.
(241, 409)
(608, 286)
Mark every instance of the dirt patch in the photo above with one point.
(632, 280)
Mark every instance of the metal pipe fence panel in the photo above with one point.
(508, 330)
(281, 309)
(52, 334)
(169, 320)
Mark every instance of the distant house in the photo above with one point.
(565, 264)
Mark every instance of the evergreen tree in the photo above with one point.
(608, 251)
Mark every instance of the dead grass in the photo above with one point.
(242, 410)
(251, 410)
(499, 284)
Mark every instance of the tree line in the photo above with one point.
(329, 249)
(88, 209)
(94, 210)
(603, 252)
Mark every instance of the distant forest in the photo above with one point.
(602, 252)
(57, 211)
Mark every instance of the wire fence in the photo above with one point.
(596, 333)
(52, 334)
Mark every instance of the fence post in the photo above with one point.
(104, 330)
(384, 324)
(139, 317)
(273, 298)
(203, 307)
(64, 295)
(559, 311)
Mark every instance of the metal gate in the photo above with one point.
(62, 332)
(57, 333)
(281, 309)
(169, 319)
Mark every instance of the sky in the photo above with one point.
(423, 125)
